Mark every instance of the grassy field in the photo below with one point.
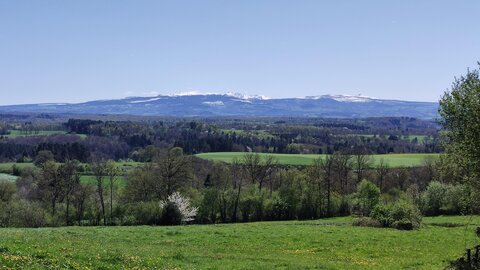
(393, 160)
(19, 133)
(7, 167)
(7, 177)
(321, 244)
(420, 138)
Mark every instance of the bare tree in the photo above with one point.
(361, 162)
(382, 172)
(80, 197)
(174, 169)
(112, 171)
(322, 171)
(99, 171)
(257, 169)
(143, 184)
(343, 166)
(429, 169)
(237, 177)
(51, 182)
(71, 179)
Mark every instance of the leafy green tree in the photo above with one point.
(42, 158)
(368, 196)
(460, 118)
(434, 198)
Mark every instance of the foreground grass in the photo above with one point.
(323, 244)
(393, 160)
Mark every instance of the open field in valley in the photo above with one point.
(393, 160)
(19, 133)
(321, 244)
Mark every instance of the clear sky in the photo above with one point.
(72, 51)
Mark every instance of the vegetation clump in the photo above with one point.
(402, 215)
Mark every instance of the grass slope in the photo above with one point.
(393, 160)
(7, 177)
(322, 244)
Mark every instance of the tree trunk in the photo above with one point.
(237, 201)
(53, 205)
(103, 208)
(67, 221)
(111, 199)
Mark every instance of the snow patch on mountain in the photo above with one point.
(146, 100)
(344, 98)
(228, 94)
(245, 96)
(213, 103)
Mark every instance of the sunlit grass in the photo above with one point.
(320, 244)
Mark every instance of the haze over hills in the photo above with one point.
(234, 104)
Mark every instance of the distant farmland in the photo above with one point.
(393, 160)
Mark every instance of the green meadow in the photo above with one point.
(7, 177)
(19, 133)
(321, 244)
(393, 160)
(7, 167)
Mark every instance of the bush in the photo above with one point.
(144, 213)
(433, 199)
(366, 222)
(441, 198)
(7, 190)
(25, 214)
(171, 214)
(209, 206)
(186, 212)
(457, 200)
(366, 198)
(251, 205)
(276, 209)
(401, 215)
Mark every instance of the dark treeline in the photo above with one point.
(85, 138)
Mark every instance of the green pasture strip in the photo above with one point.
(7, 177)
(19, 133)
(393, 160)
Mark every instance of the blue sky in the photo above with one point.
(72, 51)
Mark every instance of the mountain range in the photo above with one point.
(233, 104)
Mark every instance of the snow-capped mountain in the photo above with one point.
(234, 104)
(343, 98)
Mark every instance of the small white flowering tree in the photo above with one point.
(183, 204)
